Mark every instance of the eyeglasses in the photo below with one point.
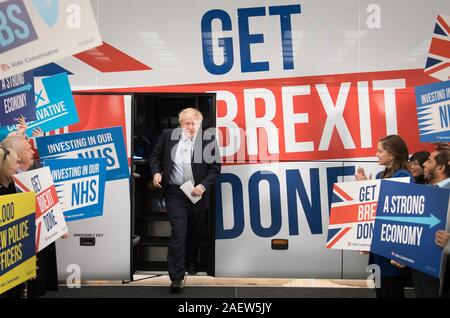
(6, 151)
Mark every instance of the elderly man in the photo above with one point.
(23, 148)
(185, 154)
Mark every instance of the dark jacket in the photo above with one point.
(444, 289)
(204, 170)
(11, 189)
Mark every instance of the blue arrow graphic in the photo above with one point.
(20, 89)
(428, 220)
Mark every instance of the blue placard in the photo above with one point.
(80, 185)
(408, 216)
(17, 98)
(55, 107)
(99, 143)
(433, 112)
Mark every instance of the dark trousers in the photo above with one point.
(186, 222)
(446, 283)
(193, 237)
(391, 287)
(46, 273)
(425, 286)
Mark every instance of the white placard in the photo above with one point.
(36, 32)
(50, 222)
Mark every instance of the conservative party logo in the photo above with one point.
(40, 95)
(15, 24)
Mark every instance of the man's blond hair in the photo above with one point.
(189, 112)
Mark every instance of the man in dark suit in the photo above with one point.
(185, 154)
(437, 173)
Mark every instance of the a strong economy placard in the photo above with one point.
(50, 223)
(99, 143)
(80, 184)
(408, 216)
(352, 214)
(37, 32)
(17, 232)
(17, 98)
(55, 107)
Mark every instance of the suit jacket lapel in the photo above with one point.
(174, 137)
(198, 147)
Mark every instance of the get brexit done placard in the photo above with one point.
(352, 214)
(50, 223)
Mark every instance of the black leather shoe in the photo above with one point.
(191, 269)
(176, 286)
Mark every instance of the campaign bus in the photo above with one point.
(299, 92)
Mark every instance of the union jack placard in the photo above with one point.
(438, 61)
(352, 215)
(50, 222)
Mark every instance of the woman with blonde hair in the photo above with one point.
(392, 152)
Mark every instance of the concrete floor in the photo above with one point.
(155, 285)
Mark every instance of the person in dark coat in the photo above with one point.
(437, 174)
(185, 154)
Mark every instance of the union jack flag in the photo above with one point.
(438, 61)
(336, 232)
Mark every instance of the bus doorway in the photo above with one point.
(151, 114)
